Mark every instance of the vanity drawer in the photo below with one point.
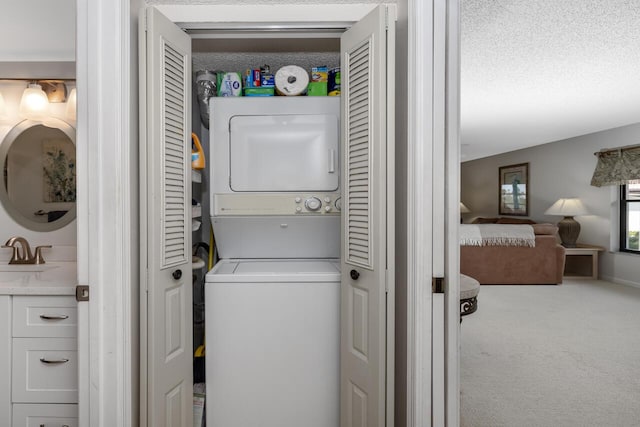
(52, 316)
(45, 370)
(47, 415)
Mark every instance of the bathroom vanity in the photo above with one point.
(38, 309)
(38, 349)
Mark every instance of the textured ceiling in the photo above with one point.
(537, 71)
(238, 2)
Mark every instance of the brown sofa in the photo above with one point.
(517, 265)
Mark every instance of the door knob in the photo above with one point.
(177, 274)
(354, 274)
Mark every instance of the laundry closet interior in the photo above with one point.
(265, 225)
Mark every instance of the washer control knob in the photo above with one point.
(327, 208)
(313, 203)
(327, 199)
(298, 209)
(338, 203)
(298, 199)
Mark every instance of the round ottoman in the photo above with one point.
(469, 289)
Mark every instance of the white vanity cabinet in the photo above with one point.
(5, 360)
(38, 360)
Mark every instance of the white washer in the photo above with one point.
(273, 343)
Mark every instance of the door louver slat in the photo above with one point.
(358, 146)
(174, 227)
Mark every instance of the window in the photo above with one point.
(630, 217)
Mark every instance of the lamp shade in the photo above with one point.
(463, 208)
(34, 104)
(567, 207)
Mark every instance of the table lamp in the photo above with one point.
(568, 228)
(463, 210)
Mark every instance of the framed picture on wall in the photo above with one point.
(513, 190)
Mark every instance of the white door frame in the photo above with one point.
(107, 211)
(432, 144)
(419, 212)
(452, 203)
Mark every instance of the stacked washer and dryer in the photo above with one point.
(273, 300)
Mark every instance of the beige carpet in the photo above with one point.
(553, 356)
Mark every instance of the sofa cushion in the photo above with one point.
(485, 221)
(509, 265)
(544, 228)
(504, 220)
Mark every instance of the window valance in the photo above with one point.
(617, 166)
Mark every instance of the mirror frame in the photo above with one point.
(7, 204)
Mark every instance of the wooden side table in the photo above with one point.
(582, 261)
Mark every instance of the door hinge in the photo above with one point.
(437, 285)
(386, 281)
(386, 18)
(82, 293)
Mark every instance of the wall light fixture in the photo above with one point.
(71, 105)
(3, 108)
(34, 104)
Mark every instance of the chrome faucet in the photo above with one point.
(24, 256)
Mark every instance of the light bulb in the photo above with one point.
(71, 105)
(34, 104)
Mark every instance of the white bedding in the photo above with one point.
(497, 235)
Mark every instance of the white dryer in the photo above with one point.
(273, 338)
(275, 176)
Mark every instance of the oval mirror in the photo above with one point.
(38, 188)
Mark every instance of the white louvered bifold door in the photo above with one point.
(367, 223)
(165, 224)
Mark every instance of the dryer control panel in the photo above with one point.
(277, 204)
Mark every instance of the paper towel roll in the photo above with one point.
(291, 80)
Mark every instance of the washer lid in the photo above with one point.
(275, 270)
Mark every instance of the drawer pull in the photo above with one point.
(54, 361)
(54, 316)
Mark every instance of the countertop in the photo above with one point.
(52, 278)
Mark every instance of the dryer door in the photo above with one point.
(294, 153)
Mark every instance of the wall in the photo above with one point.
(561, 169)
(64, 239)
(37, 30)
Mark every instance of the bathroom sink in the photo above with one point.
(9, 273)
(9, 276)
(25, 268)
